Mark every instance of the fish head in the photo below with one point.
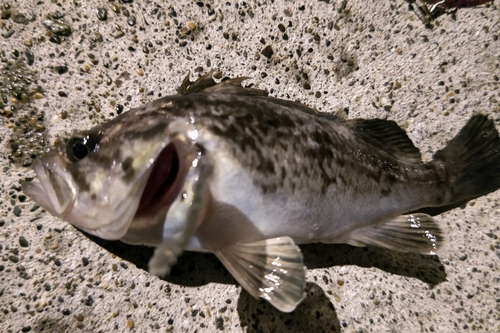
(104, 179)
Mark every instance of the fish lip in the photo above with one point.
(164, 182)
(58, 201)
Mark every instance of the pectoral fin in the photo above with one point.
(406, 233)
(272, 269)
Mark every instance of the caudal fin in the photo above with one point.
(471, 160)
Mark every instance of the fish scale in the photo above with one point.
(225, 169)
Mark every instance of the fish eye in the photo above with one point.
(79, 147)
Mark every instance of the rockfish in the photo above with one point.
(225, 169)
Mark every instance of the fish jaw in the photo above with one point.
(54, 192)
(105, 210)
(101, 200)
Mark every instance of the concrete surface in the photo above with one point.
(365, 59)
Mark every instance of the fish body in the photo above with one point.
(225, 169)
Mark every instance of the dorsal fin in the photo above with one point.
(387, 135)
(207, 84)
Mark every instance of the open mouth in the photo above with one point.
(164, 183)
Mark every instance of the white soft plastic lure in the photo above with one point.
(229, 170)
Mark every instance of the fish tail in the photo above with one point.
(470, 163)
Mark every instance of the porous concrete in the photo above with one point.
(354, 58)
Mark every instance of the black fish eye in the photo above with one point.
(79, 147)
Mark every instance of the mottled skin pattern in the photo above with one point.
(291, 147)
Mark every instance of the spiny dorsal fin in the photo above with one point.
(387, 135)
(207, 84)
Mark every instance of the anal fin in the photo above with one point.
(406, 233)
(272, 269)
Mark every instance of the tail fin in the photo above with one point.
(472, 160)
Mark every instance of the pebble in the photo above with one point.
(9, 34)
(23, 242)
(131, 21)
(30, 57)
(115, 8)
(267, 52)
(57, 26)
(119, 34)
(191, 26)
(219, 323)
(55, 39)
(61, 69)
(102, 14)
(13, 258)
(19, 18)
(5, 15)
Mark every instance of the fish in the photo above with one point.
(442, 6)
(227, 169)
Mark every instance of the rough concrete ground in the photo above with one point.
(354, 58)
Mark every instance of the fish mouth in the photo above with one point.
(164, 183)
(54, 192)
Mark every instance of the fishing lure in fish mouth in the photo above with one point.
(229, 170)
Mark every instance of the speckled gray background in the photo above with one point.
(364, 59)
